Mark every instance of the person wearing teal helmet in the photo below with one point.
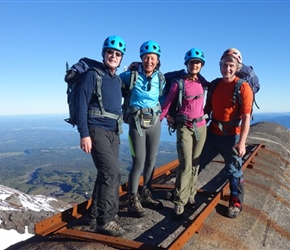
(196, 54)
(144, 126)
(98, 126)
(190, 122)
(150, 47)
(115, 42)
(114, 45)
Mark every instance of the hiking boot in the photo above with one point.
(178, 211)
(135, 207)
(234, 210)
(169, 195)
(191, 200)
(92, 222)
(111, 228)
(149, 201)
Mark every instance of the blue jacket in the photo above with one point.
(145, 93)
(112, 100)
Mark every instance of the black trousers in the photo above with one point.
(105, 154)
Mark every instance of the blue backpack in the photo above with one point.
(247, 73)
(73, 78)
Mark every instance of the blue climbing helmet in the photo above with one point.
(114, 42)
(150, 47)
(196, 54)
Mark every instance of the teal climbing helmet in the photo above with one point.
(196, 54)
(115, 42)
(150, 47)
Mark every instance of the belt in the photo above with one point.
(146, 116)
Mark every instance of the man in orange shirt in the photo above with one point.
(229, 127)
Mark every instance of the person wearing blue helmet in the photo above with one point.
(114, 43)
(144, 126)
(150, 47)
(194, 54)
(191, 130)
(99, 134)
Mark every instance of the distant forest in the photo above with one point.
(41, 160)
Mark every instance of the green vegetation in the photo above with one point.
(49, 162)
(65, 173)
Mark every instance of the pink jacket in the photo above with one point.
(191, 107)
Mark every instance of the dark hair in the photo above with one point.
(158, 65)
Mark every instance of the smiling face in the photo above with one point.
(228, 67)
(194, 66)
(149, 62)
(112, 58)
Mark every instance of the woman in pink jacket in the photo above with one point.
(190, 123)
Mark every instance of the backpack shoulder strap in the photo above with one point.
(133, 79)
(98, 88)
(214, 83)
(212, 87)
(203, 81)
(128, 90)
(204, 87)
(161, 81)
(98, 92)
(127, 93)
(210, 90)
(181, 92)
(237, 92)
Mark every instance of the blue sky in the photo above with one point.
(38, 37)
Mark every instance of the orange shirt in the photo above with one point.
(222, 105)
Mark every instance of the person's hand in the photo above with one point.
(86, 144)
(240, 149)
(170, 119)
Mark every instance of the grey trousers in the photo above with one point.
(144, 151)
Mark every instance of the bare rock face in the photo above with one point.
(17, 220)
(18, 210)
(275, 136)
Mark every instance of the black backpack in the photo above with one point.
(73, 78)
(170, 78)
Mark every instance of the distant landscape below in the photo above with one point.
(40, 154)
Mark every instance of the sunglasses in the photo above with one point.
(111, 52)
